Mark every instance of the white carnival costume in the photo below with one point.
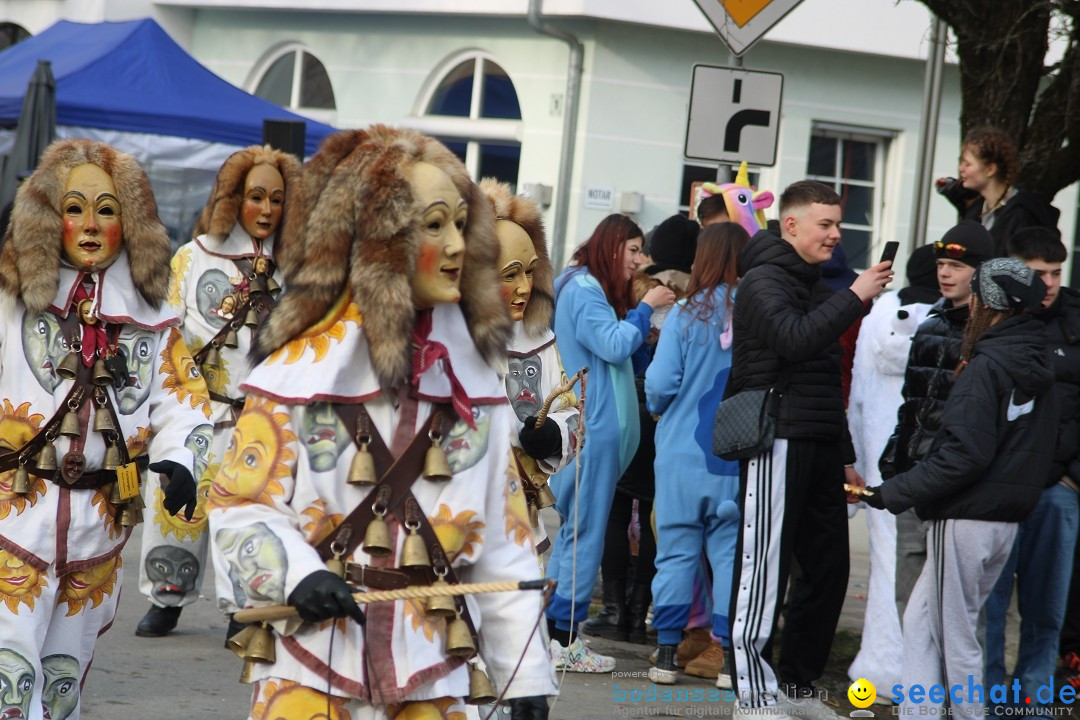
(100, 375)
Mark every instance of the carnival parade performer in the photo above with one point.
(223, 284)
(96, 384)
(534, 369)
(697, 505)
(596, 329)
(385, 334)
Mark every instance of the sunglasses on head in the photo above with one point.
(950, 250)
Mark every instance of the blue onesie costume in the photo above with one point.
(697, 493)
(591, 335)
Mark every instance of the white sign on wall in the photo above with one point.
(741, 23)
(734, 115)
(599, 198)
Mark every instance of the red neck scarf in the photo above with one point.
(427, 352)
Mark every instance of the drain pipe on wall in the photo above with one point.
(575, 68)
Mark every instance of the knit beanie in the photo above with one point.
(969, 242)
(1007, 284)
(674, 244)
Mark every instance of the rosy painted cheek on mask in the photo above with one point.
(427, 260)
(507, 292)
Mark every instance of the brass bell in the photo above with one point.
(112, 494)
(231, 340)
(336, 566)
(534, 516)
(22, 484)
(246, 672)
(435, 465)
(260, 646)
(480, 690)
(69, 366)
(440, 605)
(46, 457)
(251, 318)
(272, 286)
(377, 538)
(362, 468)
(70, 425)
(458, 638)
(112, 458)
(238, 643)
(544, 496)
(101, 375)
(257, 284)
(127, 516)
(212, 356)
(103, 421)
(414, 552)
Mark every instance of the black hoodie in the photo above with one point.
(999, 427)
(787, 317)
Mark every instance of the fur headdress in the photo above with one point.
(222, 210)
(523, 212)
(33, 245)
(361, 226)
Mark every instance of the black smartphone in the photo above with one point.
(889, 253)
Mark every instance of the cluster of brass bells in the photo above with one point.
(362, 468)
(253, 644)
(435, 465)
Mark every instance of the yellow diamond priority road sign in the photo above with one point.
(741, 23)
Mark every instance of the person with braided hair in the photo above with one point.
(387, 337)
(984, 474)
(96, 386)
(223, 283)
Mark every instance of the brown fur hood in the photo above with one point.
(222, 211)
(355, 223)
(523, 212)
(33, 245)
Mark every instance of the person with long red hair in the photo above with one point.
(597, 328)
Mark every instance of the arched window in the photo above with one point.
(10, 33)
(291, 76)
(470, 104)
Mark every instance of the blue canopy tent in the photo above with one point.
(129, 84)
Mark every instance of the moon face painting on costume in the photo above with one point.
(17, 678)
(210, 293)
(523, 385)
(44, 345)
(60, 696)
(173, 571)
(464, 447)
(137, 347)
(256, 559)
(324, 436)
(198, 442)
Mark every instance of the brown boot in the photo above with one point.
(693, 644)
(709, 664)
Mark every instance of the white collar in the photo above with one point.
(524, 344)
(237, 244)
(116, 300)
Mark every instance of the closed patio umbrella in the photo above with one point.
(36, 129)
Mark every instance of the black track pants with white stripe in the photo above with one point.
(793, 505)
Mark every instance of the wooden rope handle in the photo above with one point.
(270, 613)
(564, 388)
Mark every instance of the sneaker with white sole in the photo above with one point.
(805, 708)
(579, 658)
(663, 671)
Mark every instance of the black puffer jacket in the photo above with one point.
(990, 460)
(932, 361)
(785, 315)
(1023, 210)
(1063, 330)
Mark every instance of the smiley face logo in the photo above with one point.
(862, 693)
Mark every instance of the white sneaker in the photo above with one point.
(723, 681)
(809, 708)
(579, 658)
(663, 677)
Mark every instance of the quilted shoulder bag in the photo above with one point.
(745, 423)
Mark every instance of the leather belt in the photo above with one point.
(381, 578)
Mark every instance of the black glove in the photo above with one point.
(875, 501)
(541, 442)
(180, 490)
(323, 595)
(528, 708)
